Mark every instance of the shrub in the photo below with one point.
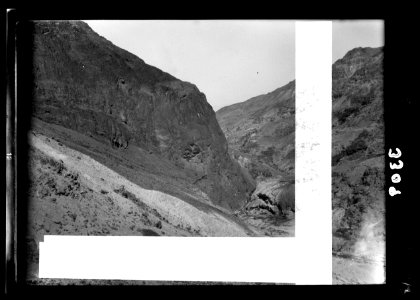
(73, 216)
(57, 165)
(159, 224)
(357, 145)
(290, 154)
(284, 131)
(248, 146)
(344, 114)
(259, 170)
(267, 154)
(147, 232)
(361, 100)
(128, 195)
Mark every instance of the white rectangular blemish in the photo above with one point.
(168, 258)
(305, 259)
(313, 152)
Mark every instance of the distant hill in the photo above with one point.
(261, 130)
(358, 153)
(261, 136)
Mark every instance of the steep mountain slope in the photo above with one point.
(85, 83)
(260, 134)
(358, 154)
(261, 137)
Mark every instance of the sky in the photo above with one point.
(351, 34)
(230, 61)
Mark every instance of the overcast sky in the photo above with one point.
(229, 61)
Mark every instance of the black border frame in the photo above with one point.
(401, 106)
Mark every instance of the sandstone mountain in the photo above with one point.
(85, 83)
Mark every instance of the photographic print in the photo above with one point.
(186, 128)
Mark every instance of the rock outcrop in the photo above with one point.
(85, 83)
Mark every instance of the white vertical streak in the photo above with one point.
(313, 151)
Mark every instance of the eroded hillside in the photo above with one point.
(73, 194)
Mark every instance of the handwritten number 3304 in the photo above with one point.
(395, 178)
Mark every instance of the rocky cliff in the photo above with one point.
(85, 83)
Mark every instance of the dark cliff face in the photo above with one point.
(85, 83)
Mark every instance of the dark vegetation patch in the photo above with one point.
(356, 201)
(248, 146)
(146, 209)
(67, 184)
(148, 232)
(358, 99)
(58, 166)
(257, 169)
(267, 155)
(158, 224)
(284, 130)
(361, 99)
(344, 114)
(290, 154)
(356, 146)
(128, 195)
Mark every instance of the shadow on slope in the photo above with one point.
(139, 166)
